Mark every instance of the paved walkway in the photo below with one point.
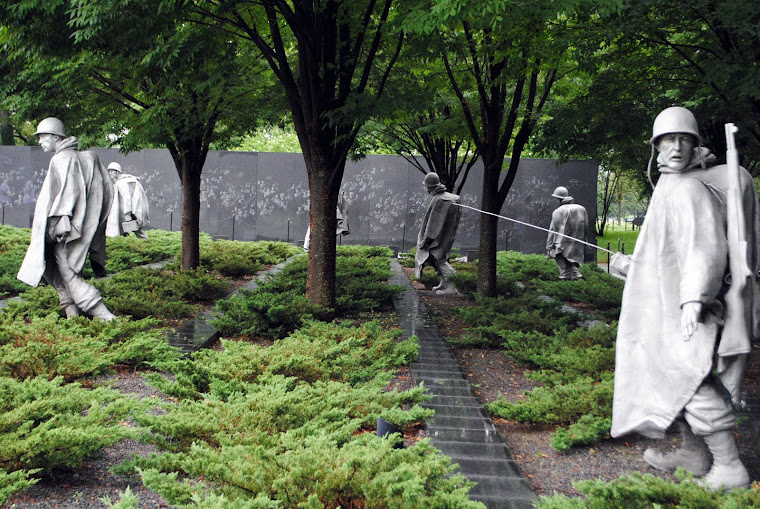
(196, 333)
(461, 428)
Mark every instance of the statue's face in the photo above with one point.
(676, 149)
(112, 174)
(48, 142)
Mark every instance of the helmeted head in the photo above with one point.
(560, 193)
(50, 131)
(432, 181)
(675, 120)
(114, 169)
(675, 135)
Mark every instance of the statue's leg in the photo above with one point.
(445, 270)
(692, 455)
(712, 417)
(565, 267)
(441, 275)
(84, 295)
(54, 279)
(727, 472)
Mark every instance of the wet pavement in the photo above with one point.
(197, 332)
(460, 428)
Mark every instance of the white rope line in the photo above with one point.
(534, 226)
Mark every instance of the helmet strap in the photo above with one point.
(649, 168)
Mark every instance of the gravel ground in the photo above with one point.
(492, 372)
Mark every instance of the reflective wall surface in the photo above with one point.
(265, 196)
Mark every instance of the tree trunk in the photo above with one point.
(488, 228)
(6, 130)
(320, 275)
(191, 206)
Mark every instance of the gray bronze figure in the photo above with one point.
(129, 211)
(688, 312)
(569, 224)
(437, 234)
(69, 222)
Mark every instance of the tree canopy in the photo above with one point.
(134, 75)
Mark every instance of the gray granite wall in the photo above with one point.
(265, 195)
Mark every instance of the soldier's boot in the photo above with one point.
(71, 310)
(727, 471)
(692, 455)
(447, 289)
(440, 285)
(101, 312)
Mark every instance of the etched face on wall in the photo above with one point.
(676, 150)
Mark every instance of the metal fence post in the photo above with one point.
(608, 257)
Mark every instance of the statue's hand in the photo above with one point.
(619, 265)
(690, 313)
(61, 229)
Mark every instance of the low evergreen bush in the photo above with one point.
(365, 251)
(46, 425)
(13, 245)
(597, 289)
(124, 253)
(293, 425)
(279, 305)
(645, 491)
(318, 351)
(13, 482)
(491, 319)
(78, 348)
(574, 365)
(35, 303)
(144, 292)
(233, 258)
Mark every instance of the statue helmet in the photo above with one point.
(560, 192)
(432, 179)
(675, 120)
(51, 125)
(115, 166)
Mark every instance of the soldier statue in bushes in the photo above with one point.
(129, 211)
(687, 320)
(69, 222)
(569, 222)
(437, 234)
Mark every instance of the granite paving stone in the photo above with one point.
(197, 332)
(460, 428)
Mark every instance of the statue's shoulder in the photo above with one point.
(62, 157)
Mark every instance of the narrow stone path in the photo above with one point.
(461, 428)
(196, 333)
